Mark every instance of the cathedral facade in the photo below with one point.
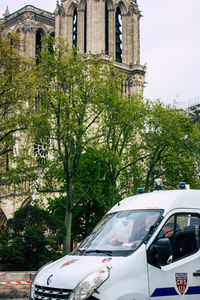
(110, 28)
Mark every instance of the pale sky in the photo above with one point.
(170, 46)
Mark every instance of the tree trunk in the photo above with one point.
(112, 188)
(68, 220)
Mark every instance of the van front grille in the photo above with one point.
(49, 293)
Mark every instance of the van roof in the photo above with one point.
(167, 200)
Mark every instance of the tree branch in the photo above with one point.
(130, 164)
(11, 131)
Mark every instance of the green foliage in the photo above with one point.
(100, 144)
(75, 91)
(30, 239)
(171, 143)
(91, 194)
(17, 89)
(91, 189)
(82, 108)
(123, 120)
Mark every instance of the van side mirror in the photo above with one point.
(160, 253)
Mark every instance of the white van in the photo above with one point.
(146, 247)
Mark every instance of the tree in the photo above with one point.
(145, 140)
(75, 90)
(30, 239)
(81, 112)
(123, 120)
(171, 142)
(92, 191)
(17, 88)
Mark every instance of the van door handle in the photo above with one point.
(197, 273)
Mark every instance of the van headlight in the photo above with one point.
(88, 285)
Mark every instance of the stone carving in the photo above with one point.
(59, 10)
(28, 25)
(6, 13)
(29, 13)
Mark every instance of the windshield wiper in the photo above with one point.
(99, 251)
(80, 250)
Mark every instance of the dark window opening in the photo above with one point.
(85, 29)
(118, 35)
(106, 29)
(38, 46)
(51, 41)
(75, 27)
(14, 43)
(7, 162)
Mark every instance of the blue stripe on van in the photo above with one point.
(159, 292)
(193, 290)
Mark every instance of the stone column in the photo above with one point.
(62, 21)
(102, 22)
(69, 27)
(136, 37)
(111, 31)
(95, 26)
(126, 36)
(57, 22)
(81, 13)
(29, 43)
(63, 26)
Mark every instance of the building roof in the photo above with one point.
(14, 17)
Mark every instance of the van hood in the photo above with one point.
(68, 271)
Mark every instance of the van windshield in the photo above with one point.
(119, 233)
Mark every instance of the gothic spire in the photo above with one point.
(6, 13)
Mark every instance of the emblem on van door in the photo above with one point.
(181, 282)
(49, 280)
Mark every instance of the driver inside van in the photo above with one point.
(168, 230)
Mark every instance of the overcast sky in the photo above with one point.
(170, 45)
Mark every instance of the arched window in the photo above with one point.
(18, 31)
(38, 46)
(85, 29)
(118, 35)
(51, 41)
(75, 24)
(11, 40)
(106, 29)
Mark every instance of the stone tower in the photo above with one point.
(107, 27)
(110, 28)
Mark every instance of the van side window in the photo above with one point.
(186, 240)
(183, 232)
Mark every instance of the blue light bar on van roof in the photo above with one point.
(140, 190)
(182, 185)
